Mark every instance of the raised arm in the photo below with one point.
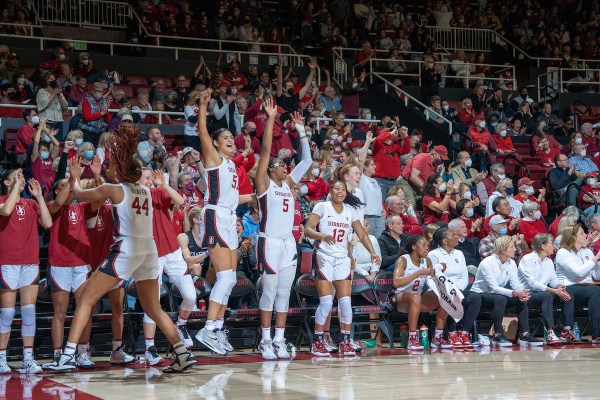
(298, 172)
(13, 195)
(262, 178)
(100, 193)
(61, 198)
(211, 157)
(35, 151)
(45, 219)
(309, 78)
(363, 152)
(158, 178)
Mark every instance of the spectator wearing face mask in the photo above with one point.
(464, 172)
(523, 97)
(502, 140)
(25, 134)
(51, 103)
(592, 187)
(583, 164)
(248, 133)
(481, 142)
(45, 149)
(95, 114)
(316, 187)
(590, 140)
(532, 222)
(224, 109)
(467, 115)
(526, 193)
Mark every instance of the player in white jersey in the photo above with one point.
(330, 225)
(412, 269)
(220, 236)
(133, 253)
(276, 248)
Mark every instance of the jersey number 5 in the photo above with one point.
(234, 183)
(338, 235)
(285, 205)
(138, 209)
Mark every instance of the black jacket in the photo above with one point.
(389, 248)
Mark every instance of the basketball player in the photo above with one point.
(19, 262)
(69, 263)
(189, 243)
(170, 259)
(412, 269)
(220, 237)
(330, 225)
(276, 247)
(134, 252)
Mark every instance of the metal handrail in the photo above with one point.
(29, 26)
(319, 119)
(521, 163)
(408, 97)
(580, 189)
(340, 68)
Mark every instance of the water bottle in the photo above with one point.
(403, 336)
(424, 336)
(291, 349)
(363, 346)
(576, 331)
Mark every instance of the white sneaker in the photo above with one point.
(224, 340)
(183, 362)
(30, 366)
(184, 335)
(210, 340)
(266, 350)
(4, 368)
(329, 345)
(64, 362)
(281, 350)
(83, 361)
(152, 356)
(119, 356)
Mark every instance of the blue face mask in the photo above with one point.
(44, 155)
(470, 212)
(78, 141)
(503, 231)
(89, 155)
(494, 124)
(47, 139)
(510, 191)
(368, 116)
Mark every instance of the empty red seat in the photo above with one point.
(136, 79)
(523, 148)
(165, 78)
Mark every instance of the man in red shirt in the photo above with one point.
(481, 141)
(388, 146)
(170, 259)
(25, 134)
(424, 165)
(248, 133)
(526, 191)
(487, 186)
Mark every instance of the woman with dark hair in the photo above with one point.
(220, 237)
(19, 262)
(411, 272)
(436, 207)
(330, 225)
(466, 212)
(276, 247)
(134, 252)
(51, 103)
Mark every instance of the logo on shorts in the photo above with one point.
(103, 264)
(73, 217)
(211, 240)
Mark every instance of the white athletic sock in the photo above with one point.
(181, 321)
(27, 352)
(210, 325)
(82, 348)
(70, 348)
(439, 332)
(219, 323)
(149, 342)
(179, 348)
(279, 331)
(116, 344)
(3, 354)
(266, 333)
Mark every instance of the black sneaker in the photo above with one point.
(183, 362)
(502, 341)
(530, 340)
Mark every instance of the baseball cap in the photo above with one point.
(355, 143)
(524, 181)
(127, 117)
(187, 150)
(497, 220)
(442, 151)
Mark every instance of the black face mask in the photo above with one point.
(252, 132)
(290, 91)
(287, 161)
(53, 84)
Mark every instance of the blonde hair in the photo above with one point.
(104, 139)
(504, 183)
(73, 134)
(502, 244)
(430, 230)
(569, 235)
(194, 213)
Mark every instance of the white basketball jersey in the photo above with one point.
(223, 187)
(338, 226)
(133, 215)
(416, 286)
(276, 207)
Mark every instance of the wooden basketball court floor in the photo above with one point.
(563, 372)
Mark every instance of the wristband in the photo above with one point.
(205, 253)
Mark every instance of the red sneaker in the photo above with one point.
(455, 340)
(567, 336)
(552, 339)
(346, 349)
(440, 342)
(318, 348)
(414, 344)
(466, 340)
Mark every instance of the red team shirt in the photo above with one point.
(69, 237)
(298, 220)
(19, 243)
(162, 228)
(101, 235)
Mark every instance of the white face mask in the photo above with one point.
(501, 176)
(503, 133)
(537, 214)
(303, 190)
(35, 120)
(315, 172)
(529, 191)
(467, 195)
(469, 212)
(442, 187)
(445, 107)
(482, 124)
(583, 153)
(592, 181)
(578, 140)
(468, 163)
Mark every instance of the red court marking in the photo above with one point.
(38, 387)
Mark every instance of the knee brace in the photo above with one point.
(147, 319)
(28, 320)
(284, 287)
(185, 284)
(223, 286)
(325, 304)
(6, 318)
(345, 306)
(269, 293)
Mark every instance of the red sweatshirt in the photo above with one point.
(387, 157)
